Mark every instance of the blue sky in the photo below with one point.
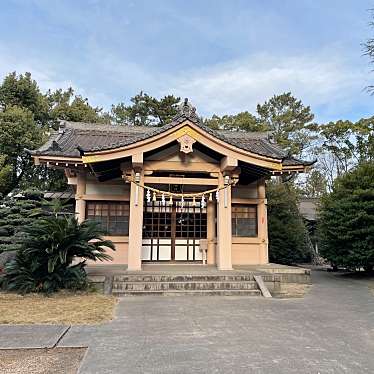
(226, 56)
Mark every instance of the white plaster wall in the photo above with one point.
(106, 189)
(245, 192)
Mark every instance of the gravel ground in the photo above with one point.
(41, 361)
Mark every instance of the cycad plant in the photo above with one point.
(53, 255)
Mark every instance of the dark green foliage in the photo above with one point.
(22, 278)
(146, 110)
(26, 115)
(283, 115)
(289, 120)
(243, 121)
(44, 179)
(45, 261)
(18, 130)
(15, 214)
(288, 241)
(6, 230)
(21, 211)
(346, 224)
(66, 105)
(23, 92)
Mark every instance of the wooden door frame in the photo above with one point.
(173, 231)
(173, 220)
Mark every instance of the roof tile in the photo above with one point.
(91, 137)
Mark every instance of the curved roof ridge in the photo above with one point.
(76, 138)
(91, 126)
(239, 134)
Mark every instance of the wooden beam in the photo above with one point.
(59, 159)
(181, 166)
(229, 163)
(176, 180)
(237, 200)
(72, 180)
(124, 197)
(69, 173)
(137, 160)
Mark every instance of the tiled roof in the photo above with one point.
(308, 208)
(74, 137)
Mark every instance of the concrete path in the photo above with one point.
(30, 336)
(329, 331)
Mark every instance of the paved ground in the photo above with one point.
(331, 330)
(30, 336)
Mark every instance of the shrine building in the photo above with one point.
(180, 193)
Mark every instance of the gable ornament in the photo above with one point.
(186, 142)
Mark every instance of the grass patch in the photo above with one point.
(60, 308)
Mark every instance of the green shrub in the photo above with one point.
(21, 211)
(15, 214)
(5, 230)
(287, 231)
(346, 224)
(45, 261)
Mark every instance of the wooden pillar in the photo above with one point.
(224, 234)
(211, 232)
(136, 223)
(80, 203)
(262, 222)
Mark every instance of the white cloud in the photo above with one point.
(331, 85)
(320, 81)
(48, 77)
(41, 72)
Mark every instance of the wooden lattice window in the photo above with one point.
(191, 221)
(156, 220)
(113, 216)
(244, 220)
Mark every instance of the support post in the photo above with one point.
(262, 222)
(224, 239)
(80, 204)
(211, 232)
(134, 262)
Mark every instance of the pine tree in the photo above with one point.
(15, 214)
(346, 224)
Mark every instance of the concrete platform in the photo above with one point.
(108, 269)
(179, 278)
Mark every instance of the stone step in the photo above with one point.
(183, 285)
(190, 293)
(182, 278)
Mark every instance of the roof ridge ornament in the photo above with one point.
(186, 109)
(61, 125)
